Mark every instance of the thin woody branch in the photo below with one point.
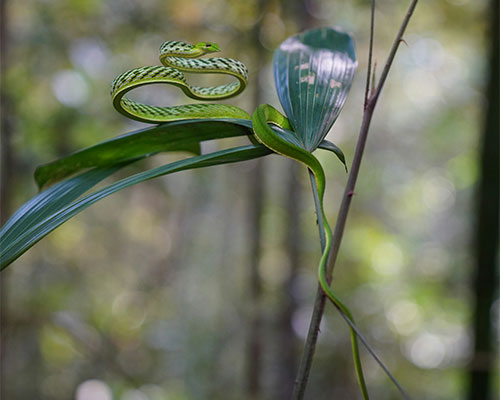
(319, 304)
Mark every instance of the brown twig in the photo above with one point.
(319, 305)
(370, 54)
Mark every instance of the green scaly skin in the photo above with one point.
(179, 56)
(263, 115)
(176, 58)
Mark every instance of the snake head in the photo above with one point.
(207, 47)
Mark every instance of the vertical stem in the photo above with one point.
(319, 305)
(370, 55)
(319, 214)
(310, 346)
(360, 146)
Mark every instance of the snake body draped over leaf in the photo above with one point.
(178, 57)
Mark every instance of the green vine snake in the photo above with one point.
(178, 57)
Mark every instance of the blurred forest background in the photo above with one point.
(200, 285)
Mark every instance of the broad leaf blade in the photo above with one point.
(313, 72)
(48, 210)
(173, 136)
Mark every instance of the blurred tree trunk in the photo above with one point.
(256, 185)
(6, 122)
(5, 175)
(487, 227)
(254, 340)
(286, 339)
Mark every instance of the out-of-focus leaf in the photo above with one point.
(54, 206)
(173, 136)
(313, 72)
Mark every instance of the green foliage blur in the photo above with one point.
(144, 296)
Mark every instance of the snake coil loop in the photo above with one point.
(178, 57)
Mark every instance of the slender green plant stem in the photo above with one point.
(346, 317)
(322, 223)
(319, 304)
(319, 214)
(406, 396)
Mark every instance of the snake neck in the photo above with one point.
(181, 49)
(186, 50)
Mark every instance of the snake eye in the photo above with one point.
(208, 45)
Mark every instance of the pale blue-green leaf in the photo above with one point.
(54, 206)
(313, 72)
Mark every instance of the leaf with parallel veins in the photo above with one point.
(313, 72)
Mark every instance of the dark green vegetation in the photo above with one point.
(146, 291)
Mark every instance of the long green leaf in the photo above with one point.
(50, 201)
(173, 136)
(51, 208)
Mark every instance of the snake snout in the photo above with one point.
(207, 47)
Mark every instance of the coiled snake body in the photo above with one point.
(179, 57)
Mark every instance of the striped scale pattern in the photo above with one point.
(176, 48)
(214, 64)
(178, 57)
(145, 74)
(156, 114)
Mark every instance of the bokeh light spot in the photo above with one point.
(387, 258)
(70, 88)
(134, 395)
(93, 389)
(301, 319)
(91, 56)
(438, 193)
(405, 317)
(427, 351)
